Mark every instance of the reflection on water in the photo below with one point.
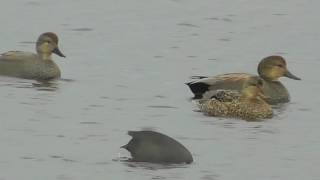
(213, 59)
(84, 29)
(279, 14)
(90, 123)
(226, 19)
(279, 109)
(46, 86)
(162, 106)
(187, 25)
(66, 80)
(222, 19)
(210, 177)
(225, 39)
(25, 157)
(55, 156)
(32, 84)
(33, 3)
(68, 160)
(153, 166)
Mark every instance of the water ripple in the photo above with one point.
(162, 106)
(188, 25)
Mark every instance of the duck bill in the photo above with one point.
(288, 74)
(58, 52)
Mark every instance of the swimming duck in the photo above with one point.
(154, 147)
(248, 105)
(29, 65)
(270, 69)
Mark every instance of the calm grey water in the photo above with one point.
(126, 65)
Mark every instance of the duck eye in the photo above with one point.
(280, 65)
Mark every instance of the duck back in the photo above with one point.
(27, 65)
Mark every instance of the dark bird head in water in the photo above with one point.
(154, 147)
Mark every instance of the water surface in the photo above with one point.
(126, 65)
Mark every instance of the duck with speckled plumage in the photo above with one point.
(249, 104)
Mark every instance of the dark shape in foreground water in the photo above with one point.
(154, 147)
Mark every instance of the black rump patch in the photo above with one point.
(198, 88)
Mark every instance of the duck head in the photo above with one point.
(252, 88)
(47, 44)
(273, 67)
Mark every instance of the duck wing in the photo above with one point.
(223, 95)
(17, 56)
(14, 63)
(203, 85)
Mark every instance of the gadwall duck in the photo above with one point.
(29, 65)
(270, 69)
(154, 147)
(248, 105)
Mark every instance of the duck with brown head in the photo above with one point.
(273, 67)
(270, 69)
(28, 65)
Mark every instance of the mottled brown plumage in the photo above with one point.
(248, 105)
